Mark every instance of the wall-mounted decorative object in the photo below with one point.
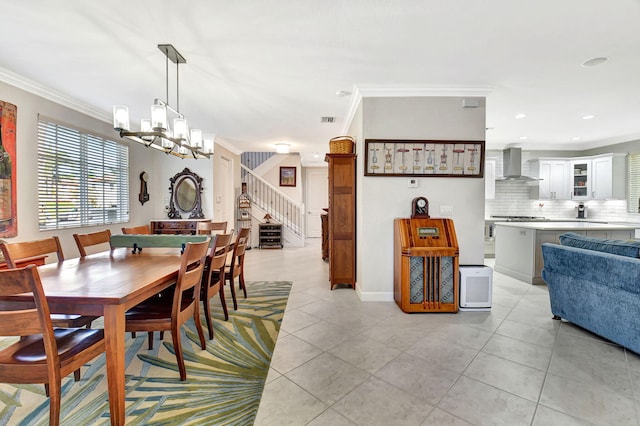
(424, 158)
(8, 193)
(144, 193)
(287, 176)
(186, 193)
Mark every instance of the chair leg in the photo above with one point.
(233, 294)
(177, 347)
(207, 315)
(242, 286)
(54, 393)
(150, 334)
(88, 325)
(223, 302)
(198, 323)
(76, 375)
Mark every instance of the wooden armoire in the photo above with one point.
(342, 219)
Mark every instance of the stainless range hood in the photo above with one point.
(512, 166)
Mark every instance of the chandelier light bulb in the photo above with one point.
(145, 125)
(209, 144)
(158, 116)
(196, 138)
(120, 117)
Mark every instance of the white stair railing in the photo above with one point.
(273, 201)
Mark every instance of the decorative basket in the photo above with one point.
(341, 145)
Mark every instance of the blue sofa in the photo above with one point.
(595, 284)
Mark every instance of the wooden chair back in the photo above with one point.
(213, 278)
(218, 252)
(42, 354)
(23, 322)
(137, 230)
(91, 239)
(15, 252)
(190, 275)
(239, 248)
(212, 227)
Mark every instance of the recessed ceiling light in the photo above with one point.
(518, 116)
(595, 61)
(523, 137)
(343, 93)
(588, 117)
(577, 138)
(283, 148)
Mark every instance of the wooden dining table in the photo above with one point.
(108, 284)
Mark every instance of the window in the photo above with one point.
(633, 183)
(83, 179)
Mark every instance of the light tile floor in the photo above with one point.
(340, 361)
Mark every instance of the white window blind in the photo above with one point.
(83, 179)
(633, 183)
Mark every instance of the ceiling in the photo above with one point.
(260, 72)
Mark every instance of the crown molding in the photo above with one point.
(52, 95)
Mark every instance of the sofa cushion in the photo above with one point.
(619, 247)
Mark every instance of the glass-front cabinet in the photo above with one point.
(581, 179)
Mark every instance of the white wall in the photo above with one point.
(382, 199)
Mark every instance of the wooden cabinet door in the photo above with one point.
(342, 219)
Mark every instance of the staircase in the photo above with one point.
(268, 199)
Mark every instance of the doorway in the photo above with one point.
(316, 198)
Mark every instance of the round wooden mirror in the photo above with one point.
(186, 190)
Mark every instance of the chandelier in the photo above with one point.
(156, 132)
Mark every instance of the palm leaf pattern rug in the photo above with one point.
(224, 382)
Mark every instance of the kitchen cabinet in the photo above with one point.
(608, 177)
(518, 245)
(555, 183)
(580, 172)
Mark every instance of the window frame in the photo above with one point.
(95, 188)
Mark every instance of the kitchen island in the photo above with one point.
(518, 244)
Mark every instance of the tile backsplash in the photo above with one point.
(513, 199)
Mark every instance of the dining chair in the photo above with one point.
(169, 313)
(17, 253)
(42, 354)
(138, 230)
(235, 265)
(91, 239)
(212, 227)
(213, 277)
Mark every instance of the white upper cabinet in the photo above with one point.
(580, 177)
(597, 177)
(555, 183)
(608, 177)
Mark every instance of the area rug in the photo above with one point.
(224, 382)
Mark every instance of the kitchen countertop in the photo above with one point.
(568, 226)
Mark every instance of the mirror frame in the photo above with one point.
(174, 207)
